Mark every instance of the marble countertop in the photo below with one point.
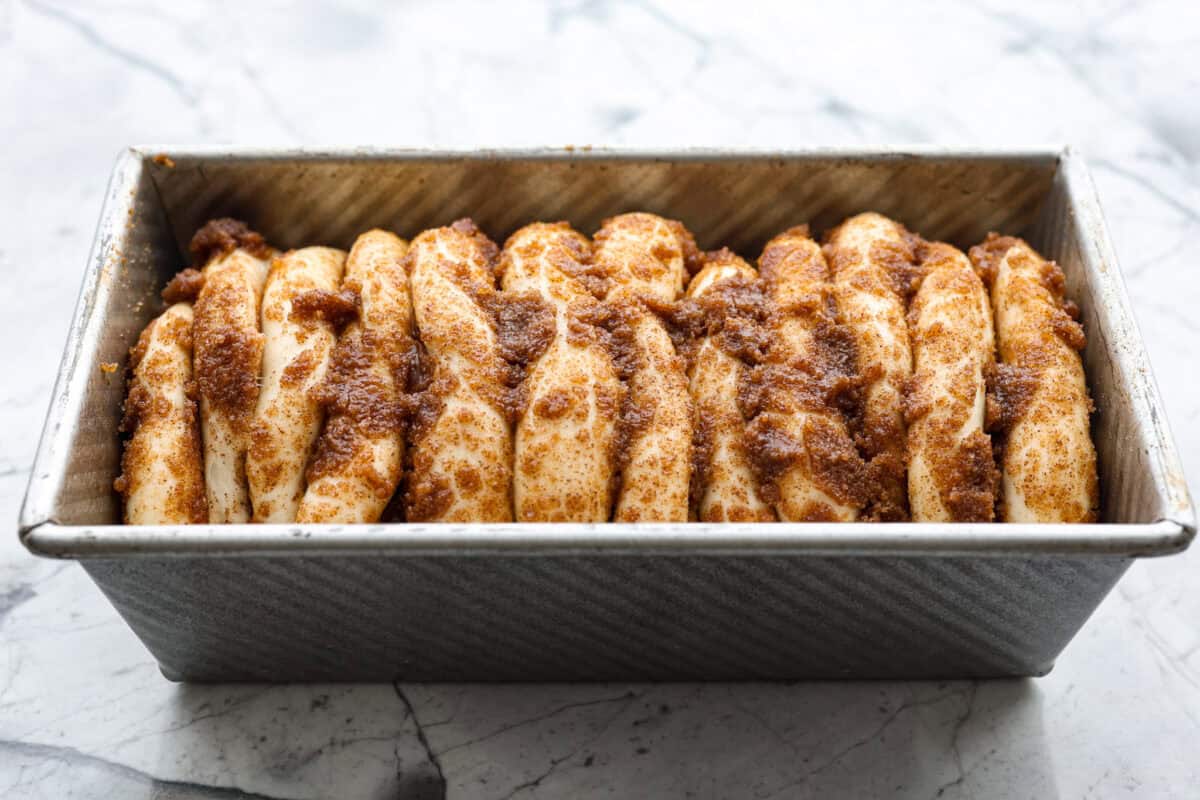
(83, 709)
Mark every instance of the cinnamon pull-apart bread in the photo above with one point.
(951, 474)
(356, 466)
(565, 437)
(461, 436)
(301, 308)
(799, 439)
(730, 300)
(162, 478)
(1040, 403)
(228, 357)
(879, 377)
(647, 260)
(871, 258)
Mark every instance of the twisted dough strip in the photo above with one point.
(462, 440)
(951, 473)
(162, 480)
(1049, 461)
(298, 307)
(798, 434)
(871, 258)
(563, 466)
(357, 463)
(646, 259)
(728, 487)
(228, 358)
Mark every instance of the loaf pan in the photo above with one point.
(613, 601)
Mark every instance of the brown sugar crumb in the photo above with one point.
(224, 235)
(138, 351)
(583, 325)
(736, 310)
(899, 262)
(184, 287)
(423, 406)
(987, 256)
(828, 382)
(840, 379)
(1054, 280)
(614, 323)
(611, 324)
(337, 447)
(164, 160)
(299, 369)
(823, 382)
(837, 467)
(578, 263)
(1068, 329)
(109, 367)
(1066, 323)
(773, 451)
(418, 407)
(352, 390)
(693, 259)
(524, 325)
(554, 404)
(702, 450)
(1009, 389)
(468, 479)
(887, 469)
(428, 499)
(491, 251)
(227, 359)
(193, 497)
(683, 319)
(972, 493)
(336, 308)
(744, 338)
(733, 312)
(633, 420)
(139, 401)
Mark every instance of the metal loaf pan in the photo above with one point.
(598, 602)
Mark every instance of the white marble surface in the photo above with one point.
(83, 710)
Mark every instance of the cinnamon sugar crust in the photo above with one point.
(1040, 405)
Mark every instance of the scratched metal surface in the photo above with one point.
(481, 602)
